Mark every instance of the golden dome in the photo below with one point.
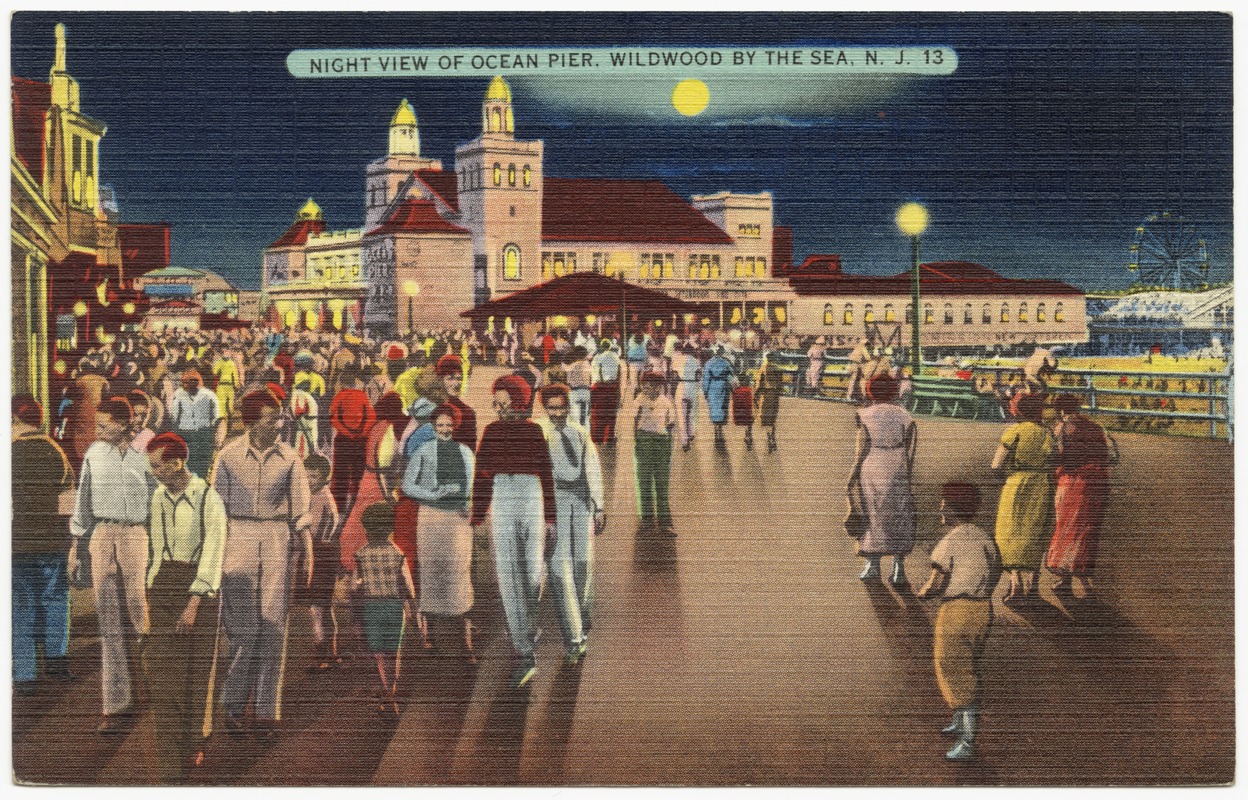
(404, 114)
(499, 91)
(310, 211)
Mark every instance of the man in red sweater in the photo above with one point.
(514, 482)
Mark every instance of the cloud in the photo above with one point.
(646, 100)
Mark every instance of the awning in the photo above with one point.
(579, 294)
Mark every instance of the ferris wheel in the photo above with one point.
(1168, 252)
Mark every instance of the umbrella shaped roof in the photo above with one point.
(579, 294)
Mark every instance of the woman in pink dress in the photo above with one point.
(376, 484)
(1082, 488)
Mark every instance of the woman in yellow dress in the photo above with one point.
(1027, 450)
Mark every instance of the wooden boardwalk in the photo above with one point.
(745, 651)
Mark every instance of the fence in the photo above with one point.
(1208, 399)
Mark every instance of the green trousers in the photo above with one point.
(652, 456)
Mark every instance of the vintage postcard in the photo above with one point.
(770, 399)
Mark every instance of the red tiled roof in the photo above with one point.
(580, 293)
(298, 233)
(444, 184)
(144, 247)
(601, 210)
(31, 100)
(938, 278)
(416, 216)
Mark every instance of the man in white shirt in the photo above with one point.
(965, 568)
(604, 393)
(578, 513)
(188, 526)
(652, 454)
(114, 497)
(196, 418)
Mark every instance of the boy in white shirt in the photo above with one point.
(965, 569)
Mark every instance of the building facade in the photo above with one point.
(190, 299)
(436, 242)
(74, 272)
(963, 305)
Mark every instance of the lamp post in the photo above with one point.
(912, 220)
(411, 289)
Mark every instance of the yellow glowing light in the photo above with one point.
(590, 319)
(559, 321)
(60, 366)
(101, 292)
(706, 321)
(912, 219)
(658, 323)
(412, 288)
(80, 309)
(128, 308)
(690, 97)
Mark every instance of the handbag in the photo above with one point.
(856, 521)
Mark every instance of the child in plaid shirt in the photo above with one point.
(385, 587)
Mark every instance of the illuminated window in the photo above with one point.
(546, 266)
(558, 265)
(849, 313)
(511, 262)
(1005, 312)
(968, 315)
(987, 315)
(948, 313)
(643, 266)
(1059, 315)
(760, 267)
(704, 268)
(355, 270)
(669, 265)
(1040, 313)
(889, 315)
(714, 266)
(828, 315)
(929, 316)
(528, 176)
(868, 313)
(739, 266)
(511, 174)
(498, 175)
(1022, 312)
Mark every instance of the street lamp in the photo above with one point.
(411, 289)
(912, 220)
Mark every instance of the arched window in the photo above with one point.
(828, 315)
(1059, 315)
(849, 313)
(968, 315)
(909, 313)
(496, 120)
(1022, 312)
(987, 316)
(498, 174)
(929, 316)
(739, 267)
(528, 176)
(889, 316)
(1040, 312)
(868, 313)
(511, 174)
(1005, 312)
(948, 313)
(511, 262)
(760, 267)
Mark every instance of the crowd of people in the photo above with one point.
(208, 482)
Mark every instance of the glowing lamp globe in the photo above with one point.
(912, 219)
(411, 287)
(128, 308)
(80, 309)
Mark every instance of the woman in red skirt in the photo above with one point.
(1082, 488)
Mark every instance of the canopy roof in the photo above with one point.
(579, 294)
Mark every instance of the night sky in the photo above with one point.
(1038, 157)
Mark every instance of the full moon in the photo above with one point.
(690, 97)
